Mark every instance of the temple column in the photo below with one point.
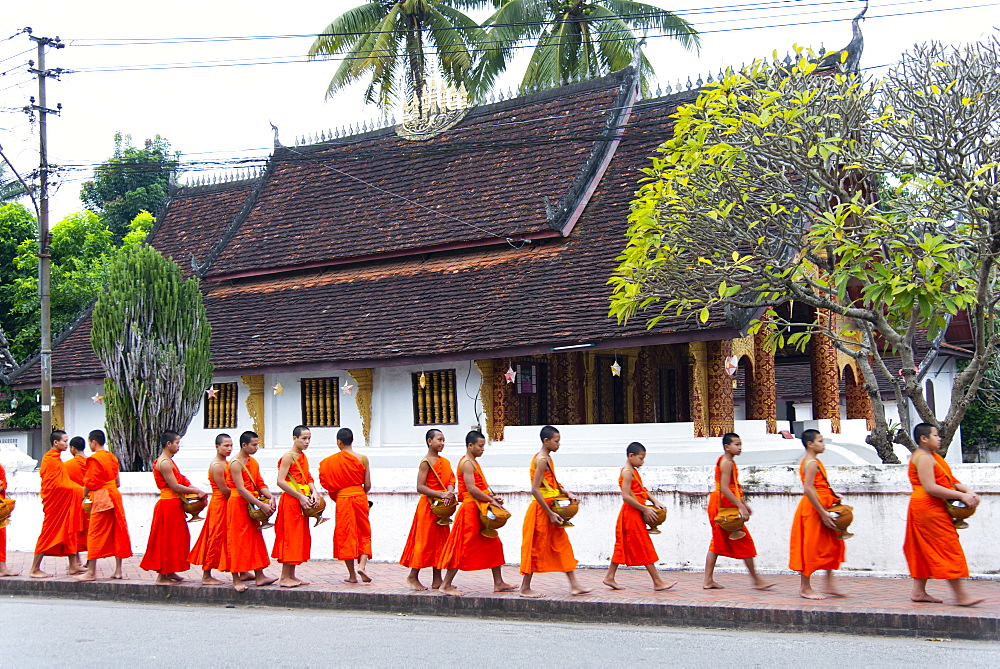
(503, 399)
(486, 382)
(255, 402)
(58, 408)
(762, 395)
(859, 404)
(698, 386)
(365, 378)
(720, 389)
(825, 375)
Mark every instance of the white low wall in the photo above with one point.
(878, 493)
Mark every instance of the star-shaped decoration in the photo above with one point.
(212, 392)
(97, 399)
(510, 375)
(278, 388)
(616, 369)
(422, 380)
(347, 388)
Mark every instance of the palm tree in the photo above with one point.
(576, 39)
(388, 40)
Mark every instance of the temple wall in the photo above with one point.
(879, 494)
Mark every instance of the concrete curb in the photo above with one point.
(841, 620)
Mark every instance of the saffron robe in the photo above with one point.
(633, 545)
(426, 541)
(467, 549)
(814, 546)
(75, 467)
(245, 548)
(211, 544)
(343, 476)
(3, 530)
(545, 546)
(62, 504)
(107, 535)
(721, 543)
(169, 539)
(931, 545)
(292, 540)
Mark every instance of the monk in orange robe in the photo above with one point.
(292, 540)
(245, 548)
(424, 545)
(728, 493)
(467, 549)
(545, 545)
(62, 504)
(816, 542)
(108, 533)
(4, 569)
(347, 478)
(633, 547)
(931, 546)
(211, 545)
(75, 467)
(169, 539)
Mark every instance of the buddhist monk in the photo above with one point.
(4, 569)
(931, 546)
(169, 539)
(424, 545)
(211, 544)
(467, 549)
(75, 467)
(108, 532)
(545, 546)
(633, 547)
(292, 540)
(347, 478)
(816, 542)
(62, 504)
(728, 493)
(245, 548)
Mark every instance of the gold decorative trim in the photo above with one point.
(744, 346)
(58, 408)
(440, 108)
(699, 387)
(255, 403)
(485, 368)
(589, 388)
(365, 381)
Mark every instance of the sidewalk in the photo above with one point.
(872, 606)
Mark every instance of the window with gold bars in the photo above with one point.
(321, 402)
(435, 401)
(221, 410)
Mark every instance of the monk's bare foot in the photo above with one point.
(246, 576)
(351, 579)
(968, 601)
(504, 587)
(175, 577)
(301, 582)
(38, 573)
(761, 584)
(289, 583)
(164, 579)
(613, 584)
(713, 585)
(75, 571)
(579, 591)
(117, 576)
(833, 592)
(809, 593)
(209, 580)
(415, 584)
(452, 591)
(924, 597)
(7, 572)
(365, 578)
(436, 583)
(265, 580)
(664, 585)
(240, 586)
(85, 576)
(528, 593)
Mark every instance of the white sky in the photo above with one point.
(224, 112)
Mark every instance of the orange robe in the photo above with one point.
(245, 548)
(211, 544)
(721, 543)
(545, 546)
(931, 546)
(62, 504)
(343, 476)
(75, 468)
(3, 530)
(633, 546)
(108, 532)
(467, 549)
(169, 539)
(426, 540)
(292, 540)
(814, 546)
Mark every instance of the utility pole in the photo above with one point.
(44, 255)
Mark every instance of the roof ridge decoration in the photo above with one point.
(440, 108)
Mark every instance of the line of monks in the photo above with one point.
(232, 540)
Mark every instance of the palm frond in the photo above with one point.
(639, 15)
(347, 29)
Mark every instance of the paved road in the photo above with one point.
(51, 632)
